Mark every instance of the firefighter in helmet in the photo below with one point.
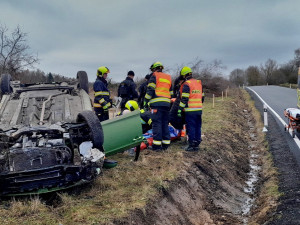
(158, 98)
(191, 99)
(102, 100)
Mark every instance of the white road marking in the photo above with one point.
(296, 139)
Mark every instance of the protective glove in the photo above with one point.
(179, 112)
(105, 109)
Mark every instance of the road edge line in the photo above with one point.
(297, 141)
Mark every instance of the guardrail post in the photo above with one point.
(265, 118)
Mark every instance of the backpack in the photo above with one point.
(123, 89)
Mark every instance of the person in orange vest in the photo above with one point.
(158, 98)
(191, 99)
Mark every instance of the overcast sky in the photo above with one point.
(73, 35)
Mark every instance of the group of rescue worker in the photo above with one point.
(154, 102)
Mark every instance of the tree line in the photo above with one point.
(270, 73)
(17, 60)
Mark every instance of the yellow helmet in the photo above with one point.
(102, 70)
(185, 70)
(156, 65)
(131, 105)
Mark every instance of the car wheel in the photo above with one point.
(5, 84)
(95, 128)
(83, 81)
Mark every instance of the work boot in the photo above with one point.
(165, 147)
(196, 149)
(196, 145)
(156, 148)
(189, 148)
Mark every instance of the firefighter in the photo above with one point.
(191, 99)
(158, 98)
(102, 101)
(145, 115)
(142, 91)
(177, 84)
(127, 89)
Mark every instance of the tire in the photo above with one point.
(95, 128)
(5, 84)
(83, 81)
(293, 134)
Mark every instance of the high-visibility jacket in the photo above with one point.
(194, 95)
(159, 89)
(102, 95)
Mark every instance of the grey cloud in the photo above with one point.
(74, 35)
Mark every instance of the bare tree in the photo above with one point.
(253, 76)
(14, 51)
(268, 70)
(238, 77)
(297, 57)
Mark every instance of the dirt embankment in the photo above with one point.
(210, 190)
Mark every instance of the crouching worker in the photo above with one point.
(191, 99)
(145, 115)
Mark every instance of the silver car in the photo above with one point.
(50, 138)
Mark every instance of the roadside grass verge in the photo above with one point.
(288, 85)
(130, 185)
(268, 192)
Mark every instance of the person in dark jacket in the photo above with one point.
(158, 97)
(177, 84)
(142, 91)
(127, 89)
(102, 100)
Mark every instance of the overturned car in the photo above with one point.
(42, 130)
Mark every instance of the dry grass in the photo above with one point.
(128, 186)
(293, 86)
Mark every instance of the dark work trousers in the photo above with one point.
(160, 128)
(101, 114)
(123, 102)
(193, 127)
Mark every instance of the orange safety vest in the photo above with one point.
(195, 98)
(163, 84)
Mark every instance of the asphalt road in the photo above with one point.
(278, 98)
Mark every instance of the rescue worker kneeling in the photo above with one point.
(145, 115)
(191, 99)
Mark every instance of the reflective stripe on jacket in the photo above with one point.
(102, 95)
(162, 87)
(194, 96)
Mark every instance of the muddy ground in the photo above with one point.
(281, 147)
(211, 188)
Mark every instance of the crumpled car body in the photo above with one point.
(42, 130)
